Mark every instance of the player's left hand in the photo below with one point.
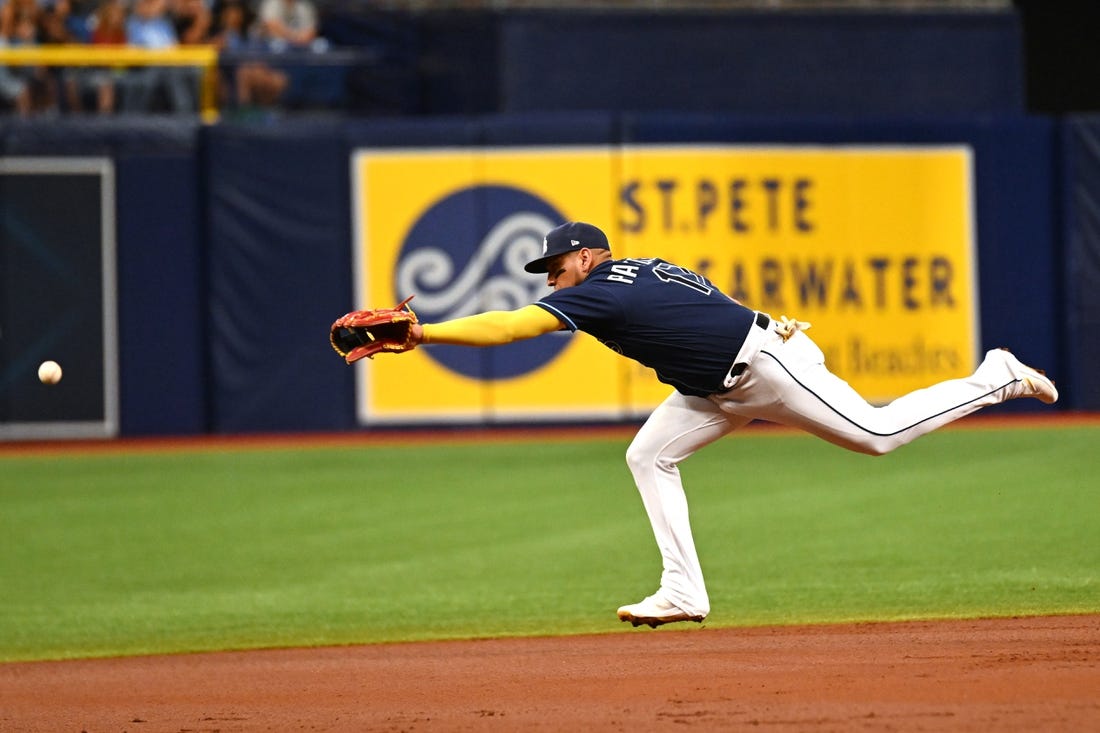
(365, 333)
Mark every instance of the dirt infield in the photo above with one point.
(1027, 674)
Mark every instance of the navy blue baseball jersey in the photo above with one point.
(669, 318)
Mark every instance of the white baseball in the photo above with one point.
(49, 372)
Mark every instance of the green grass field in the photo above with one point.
(119, 554)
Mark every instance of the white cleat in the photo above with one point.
(1035, 381)
(655, 611)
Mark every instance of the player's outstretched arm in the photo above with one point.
(491, 328)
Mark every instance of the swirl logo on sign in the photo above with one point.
(465, 255)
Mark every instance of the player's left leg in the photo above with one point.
(788, 382)
(679, 427)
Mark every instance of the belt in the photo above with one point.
(762, 321)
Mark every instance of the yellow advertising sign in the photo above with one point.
(455, 227)
(873, 245)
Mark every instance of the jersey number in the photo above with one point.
(669, 273)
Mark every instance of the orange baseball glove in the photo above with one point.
(367, 332)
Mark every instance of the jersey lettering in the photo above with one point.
(623, 273)
(668, 273)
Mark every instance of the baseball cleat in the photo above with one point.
(1035, 381)
(655, 611)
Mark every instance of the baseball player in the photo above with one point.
(728, 365)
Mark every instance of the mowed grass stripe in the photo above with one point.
(116, 554)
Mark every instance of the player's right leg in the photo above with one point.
(679, 427)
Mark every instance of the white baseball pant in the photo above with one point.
(785, 382)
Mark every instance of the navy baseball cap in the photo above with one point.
(568, 237)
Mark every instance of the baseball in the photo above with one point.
(49, 372)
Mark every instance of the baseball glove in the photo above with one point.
(367, 332)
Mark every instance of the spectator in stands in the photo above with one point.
(255, 83)
(149, 26)
(58, 26)
(53, 28)
(193, 21)
(53, 22)
(107, 27)
(288, 23)
(26, 89)
(109, 23)
(232, 19)
(19, 21)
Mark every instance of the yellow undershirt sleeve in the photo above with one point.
(492, 328)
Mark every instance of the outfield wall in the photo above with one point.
(159, 251)
(236, 246)
(793, 62)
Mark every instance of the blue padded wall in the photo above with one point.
(279, 272)
(1081, 308)
(854, 63)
